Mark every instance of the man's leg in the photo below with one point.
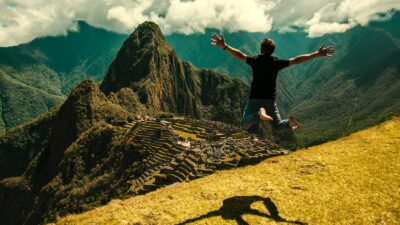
(282, 130)
(250, 114)
(262, 113)
(278, 123)
(293, 123)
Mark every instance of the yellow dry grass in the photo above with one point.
(354, 180)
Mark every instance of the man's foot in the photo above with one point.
(263, 115)
(293, 123)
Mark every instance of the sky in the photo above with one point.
(21, 21)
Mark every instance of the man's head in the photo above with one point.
(267, 46)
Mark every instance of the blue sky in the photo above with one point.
(22, 21)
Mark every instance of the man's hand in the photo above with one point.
(306, 57)
(328, 51)
(218, 41)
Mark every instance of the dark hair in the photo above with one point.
(267, 46)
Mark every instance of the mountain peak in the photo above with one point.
(148, 36)
(138, 58)
(148, 65)
(149, 27)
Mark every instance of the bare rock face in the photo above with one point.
(148, 65)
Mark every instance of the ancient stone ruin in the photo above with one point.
(183, 149)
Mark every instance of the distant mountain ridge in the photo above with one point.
(37, 76)
(296, 86)
(354, 89)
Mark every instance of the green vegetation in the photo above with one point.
(23, 99)
(37, 76)
(22, 143)
(356, 88)
(72, 154)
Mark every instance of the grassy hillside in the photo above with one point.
(26, 95)
(354, 180)
(36, 76)
(354, 89)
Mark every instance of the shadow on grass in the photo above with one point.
(235, 207)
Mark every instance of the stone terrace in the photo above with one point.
(209, 146)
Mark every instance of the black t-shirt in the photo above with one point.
(265, 72)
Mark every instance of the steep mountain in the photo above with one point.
(36, 76)
(85, 107)
(104, 143)
(390, 25)
(22, 143)
(20, 101)
(356, 88)
(148, 65)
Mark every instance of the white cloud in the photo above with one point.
(341, 16)
(22, 21)
(233, 15)
(129, 16)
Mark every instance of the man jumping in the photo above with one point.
(265, 66)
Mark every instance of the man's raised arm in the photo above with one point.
(220, 42)
(328, 51)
